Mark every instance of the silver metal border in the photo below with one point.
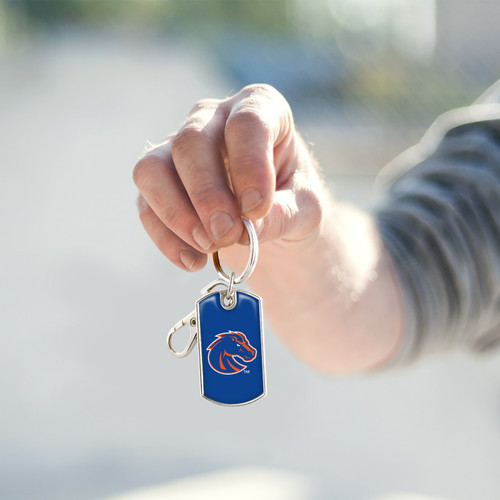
(200, 366)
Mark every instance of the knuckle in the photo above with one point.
(189, 135)
(264, 97)
(143, 170)
(204, 104)
(311, 199)
(245, 117)
(203, 197)
(260, 89)
(172, 217)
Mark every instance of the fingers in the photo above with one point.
(258, 122)
(198, 160)
(223, 162)
(159, 184)
(173, 247)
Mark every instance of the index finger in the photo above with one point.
(259, 121)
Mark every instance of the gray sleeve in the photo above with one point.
(440, 222)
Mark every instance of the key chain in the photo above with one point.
(227, 325)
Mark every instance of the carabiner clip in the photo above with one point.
(190, 320)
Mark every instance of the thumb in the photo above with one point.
(294, 216)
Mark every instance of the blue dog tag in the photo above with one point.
(231, 349)
(227, 325)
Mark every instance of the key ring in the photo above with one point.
(227, 326)
(252, 259)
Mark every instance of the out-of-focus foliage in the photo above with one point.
(197, 17)
(402, 60)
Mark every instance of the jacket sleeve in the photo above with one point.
(440, 222)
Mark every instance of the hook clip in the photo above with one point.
(189, 320)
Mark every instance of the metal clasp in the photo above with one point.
(189, 320)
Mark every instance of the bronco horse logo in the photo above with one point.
(228, 346)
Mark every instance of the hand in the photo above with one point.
(242, 156)
(232, 157)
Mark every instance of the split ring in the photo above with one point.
(252, 259)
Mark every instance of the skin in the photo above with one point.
(328, 287)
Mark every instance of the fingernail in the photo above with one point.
(220, 224)
(250, 199)
(188, 258)
(201, 238)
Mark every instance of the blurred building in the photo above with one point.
(467, 37)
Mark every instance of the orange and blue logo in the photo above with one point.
(228, 346)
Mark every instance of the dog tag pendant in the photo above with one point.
(231, 349)
(227, 324)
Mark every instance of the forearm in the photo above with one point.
(333, 298)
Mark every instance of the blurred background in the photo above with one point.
(92, 405)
